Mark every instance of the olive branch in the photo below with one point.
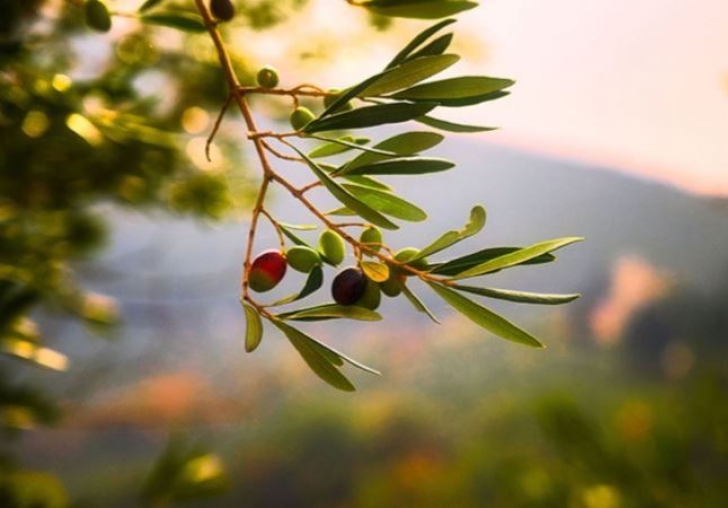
(402, 92)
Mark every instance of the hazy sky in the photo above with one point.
(640, 85)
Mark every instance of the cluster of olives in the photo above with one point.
(350, 286)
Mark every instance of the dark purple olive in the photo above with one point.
(224, 10)
(349, 286)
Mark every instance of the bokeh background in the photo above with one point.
(616, 131)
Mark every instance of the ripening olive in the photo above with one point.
(332, 246)
(224, 10)
(393, 285)
(266, 270)
(372, 237)
(372, 296)
(267, 77)
(349, 286)
(404, 255)
(301, 117)
(302, 258)
(97, 15)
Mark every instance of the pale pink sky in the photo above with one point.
(640, 85)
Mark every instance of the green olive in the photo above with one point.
(302, 258)
(372, 237)
(301, 117)
(372, 296)
(404, 255)
(332, 246)
(267, 77)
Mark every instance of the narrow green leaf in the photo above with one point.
(314, 281)
(335, 147)
(417, 303)
(348, 145)
(401, 166)
(436, 47)
(180, 21)
(463, 87)
(253, 328)
(517, 257)
(387, 203)
(331, 311)
(409, 73)
(369, 116)
(418, 40)
(334, 356)
(484, 317)
(520, 296)
(286, 230)
(468, 101)
(473, 226)
(346, 198)
(367, 181)
(320, 363)
(299, 227)
(149, 4)
(418, 9)
(462, 263)
(407, 143)
(378, 272)
(451, 126)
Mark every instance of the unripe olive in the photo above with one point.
(349, 286)
(224, 10)
(302, 258)
(332, 246)
(404, 255)
(266, 270)
(393, 285)
(372, 296)
(329, 100)
(267, 77)
(372, 236)
(97, 15)
(301, 117)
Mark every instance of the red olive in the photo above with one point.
(266, 270)
(349, 286)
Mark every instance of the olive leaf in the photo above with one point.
(418, 40)
(463, 87)
(400, 166)
(468, 261)
(322, 363)
(253, 327)
(473, 226)
(452, 126)
(519, 296)
(407, 143)
(378, 272)
(331, 311)
(369, 116)
(181, 21)
(418, 9)
(517, 257)
(387, 203)
(417, 303)
(314, 281)
(409, 73)
(346, 198)
(484, 317)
